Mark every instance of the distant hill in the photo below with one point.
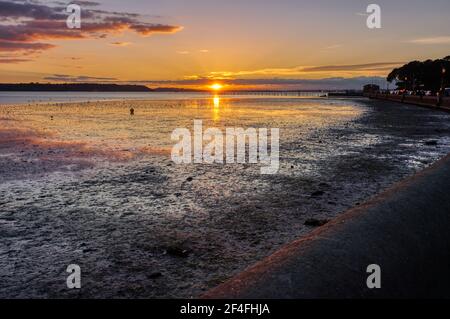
(73, 87)
(182, 90)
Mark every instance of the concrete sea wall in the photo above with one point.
(427, 101)
(405, 230)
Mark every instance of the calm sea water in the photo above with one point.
(59, 97)
(42, 97)
(108, 124)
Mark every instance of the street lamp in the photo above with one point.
(442, 79)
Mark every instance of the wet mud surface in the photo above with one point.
(140, 226)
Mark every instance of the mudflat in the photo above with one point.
(104, 194)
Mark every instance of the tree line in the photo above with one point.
(75, 87)
(429, 75)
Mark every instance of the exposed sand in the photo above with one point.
(139, 228)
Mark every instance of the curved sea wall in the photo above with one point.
(405, 230)
(442, 104)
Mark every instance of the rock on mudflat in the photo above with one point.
(178, 251)
(431, 143)
(316, 222)
(155, 275)
(317, 193)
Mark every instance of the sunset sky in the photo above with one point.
(240, 43)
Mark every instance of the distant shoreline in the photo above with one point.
(72, 87)
(84, 87)
(112, 87)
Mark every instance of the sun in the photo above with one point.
(216, 86)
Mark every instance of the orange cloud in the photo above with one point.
(23, 46)
(29, 22)
(378, 68)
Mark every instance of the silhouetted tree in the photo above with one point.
(426, 75)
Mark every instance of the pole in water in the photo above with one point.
(131, 111)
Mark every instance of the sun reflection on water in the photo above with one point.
(108, 126)
(216, 103)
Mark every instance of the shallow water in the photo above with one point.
(78, 97)
(87, 183)
(106, 128)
